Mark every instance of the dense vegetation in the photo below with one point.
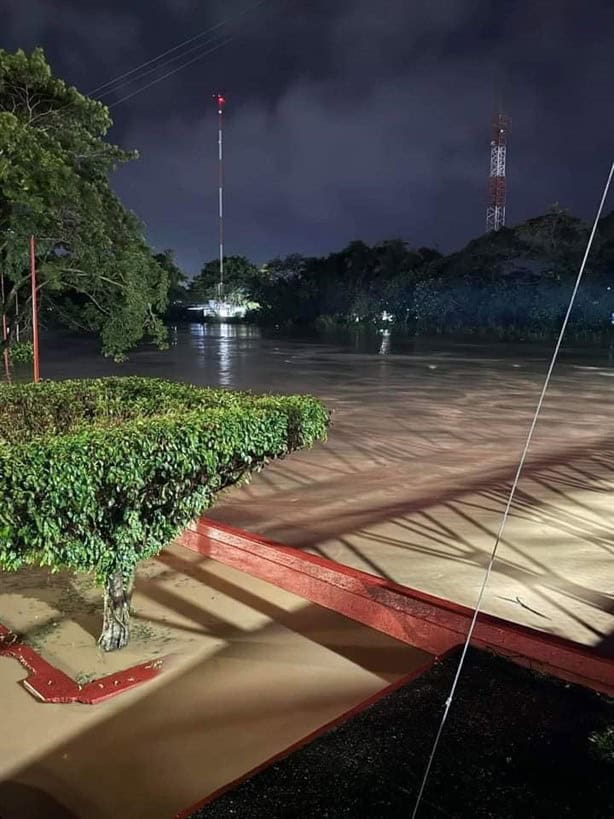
(95, 271)
(513, 284)
(240, 276)
(97, 274)
(98, 475)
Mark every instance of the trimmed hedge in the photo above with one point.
(97, 475)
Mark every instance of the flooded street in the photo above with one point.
(414, 477)
(410, 486)
(254, 669)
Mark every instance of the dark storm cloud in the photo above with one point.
(85, 38)
(352, 119)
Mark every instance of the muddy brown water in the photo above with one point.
(410, 486)
(424, 443)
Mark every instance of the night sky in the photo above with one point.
(346, 119)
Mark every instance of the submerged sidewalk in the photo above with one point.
(413, 482)
(256, 670)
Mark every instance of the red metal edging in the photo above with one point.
(425, 621)
(48, 684)
(430, 623)
(357, 709)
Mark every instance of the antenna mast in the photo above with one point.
(220, 101)
(495, 212)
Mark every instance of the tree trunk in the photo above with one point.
(116, 618)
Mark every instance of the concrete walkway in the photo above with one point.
(256, 669)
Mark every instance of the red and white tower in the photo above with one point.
(495, 212)
(220, 102)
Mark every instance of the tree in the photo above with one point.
(95, 271)
(558, 236)
(285, 269)
(177, 280)
(355, 284)
(287, 291)
(104, 495)
(239, 274)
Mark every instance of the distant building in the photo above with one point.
(222, 309)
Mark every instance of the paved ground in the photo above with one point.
(410, 486)
(256, 670)
(424, 444)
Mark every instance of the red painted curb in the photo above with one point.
(427, 622)
(309, 738)
(49, 684)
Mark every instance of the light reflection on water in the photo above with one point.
(240, 356)
(422, 441)
(222, 348)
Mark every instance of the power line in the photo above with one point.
(160, 66)
(152, 60)
(179, 46)
(512, 493)
(170, 73)
(199, 56)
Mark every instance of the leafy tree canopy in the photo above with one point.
(239, 274)
(177, 280)
(514, 283)
(94, 267)
(286, 268)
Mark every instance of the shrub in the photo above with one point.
(21, 352)
(603, 743)
(97, 475)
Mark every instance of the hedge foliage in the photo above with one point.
(22, 352)
(96, 475)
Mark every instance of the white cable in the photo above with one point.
(172, 50)
(132, 71)
(510, 499)
(158, 67)
(170, 73)
(205, 53)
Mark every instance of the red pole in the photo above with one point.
(37, 376)
(4, 330)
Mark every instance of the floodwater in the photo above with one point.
(424, 443)
(411, 485)
(255, 669)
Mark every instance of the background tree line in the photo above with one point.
(96, 272)
(513, 284)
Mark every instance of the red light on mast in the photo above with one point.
(220, 100)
